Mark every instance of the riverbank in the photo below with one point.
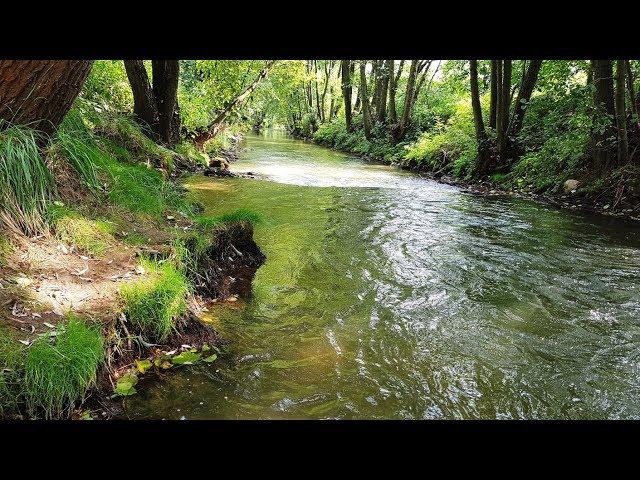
(612, 195)
(113, 285)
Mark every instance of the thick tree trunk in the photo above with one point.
(393, 86)
(165, 91)
(366, 117)
(481, 134)
(621, 114)
(346, 92)
(524, 95)
(40, 92)
(603, 134)
(144, 103)
(214, 127)
(401, 129)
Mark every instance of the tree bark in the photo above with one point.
(40, 92)
(216, 124)
(524, 95)
(604, 110)
(366, 117)
(632, 96)
(346, 92)
(621, 114)
(481, 134)
(494, 94)
(144, 102)
(503, 109)
(165, 91)
(401, 129)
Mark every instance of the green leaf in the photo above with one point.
(211, 358)
(186, 358)
(125, 385)
(143, 365)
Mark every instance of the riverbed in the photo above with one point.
(385, 295)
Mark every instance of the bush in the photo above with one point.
(58, 372)
(450, 146)
(154, 303)
(107, 86)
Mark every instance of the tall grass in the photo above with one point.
(80, 148)
(58, 373)
(239, 215)
(11, 359)
(154, 303)
(26, 185)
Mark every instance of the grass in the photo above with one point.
(5, 249)
(11, 360)
(80, 149)
(26, 185)
(88, 236)
(154, 303)
(59, 372)
(240, 215)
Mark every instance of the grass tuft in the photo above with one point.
(58, 372)
(154, 303)
(240, 215)
(11, 360)
(88, 236)
(26, 185)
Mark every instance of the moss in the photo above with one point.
(88, 236)
(5, 250)
(58, 372)
(154, 303)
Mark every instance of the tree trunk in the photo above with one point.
(524, 95)
(632, 96)
(603, 134)
(503, 109)
(165, 91)
(40, 92)
(346, 92)
(366, 118)
(144, 103)
(481, 134)
(401, 130)
(621, 114)
(494, 94)
(393, 86)
(214, 127)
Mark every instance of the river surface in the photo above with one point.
(385, 295)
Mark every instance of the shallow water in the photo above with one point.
(389, 296)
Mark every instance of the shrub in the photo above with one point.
(59, 371)
(154, 303)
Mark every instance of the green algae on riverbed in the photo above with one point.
(388, 296)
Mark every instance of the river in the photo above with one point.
(385, 295)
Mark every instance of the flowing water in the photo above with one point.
(385, 295)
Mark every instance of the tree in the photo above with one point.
(621, 113)
(345, 69)
(40, 92)
(156, 106)
(481, 134)
(604, 112)
(214, 127)
(364, 98)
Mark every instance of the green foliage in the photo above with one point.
(154, 303)
(26, 185)
(107, 86)
(88, 236)
(449, 146)
(59, 370)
